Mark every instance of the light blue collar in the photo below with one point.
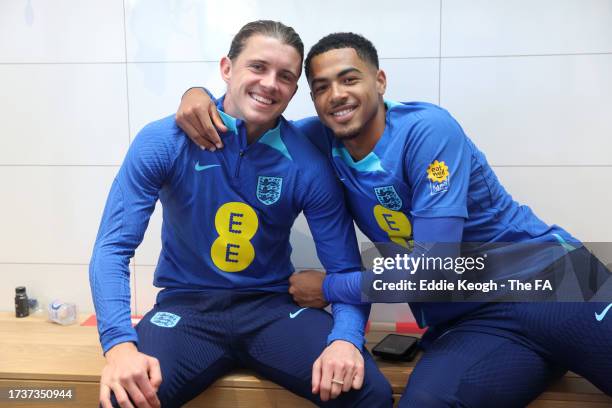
(272, 137)
(369, 163)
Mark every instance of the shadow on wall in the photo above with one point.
(603, 251)
(304, 255)
(29, 13)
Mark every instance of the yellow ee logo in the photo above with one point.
(236, 223)
(437, 171)
(395, 224)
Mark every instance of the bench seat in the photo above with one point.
(37, 354)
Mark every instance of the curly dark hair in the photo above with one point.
(364, 48)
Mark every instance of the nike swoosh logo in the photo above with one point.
(294, 315)
(200, 168)
(600, 316)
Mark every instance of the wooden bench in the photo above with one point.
(38, 354)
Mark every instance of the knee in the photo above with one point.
(376, 391)
(429, 391)
(166, 401)
(418, 398)
(167, 397)
(604, 385)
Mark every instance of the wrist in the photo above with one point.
(120, 349)
(354, 339)
(341, 342)
(326, 287)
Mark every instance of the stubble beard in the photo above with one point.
(348, 134)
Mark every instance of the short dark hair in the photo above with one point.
(362, 46)
(268, 28)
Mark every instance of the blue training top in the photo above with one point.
(227, 217)
(424, 166)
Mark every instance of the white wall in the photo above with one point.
(531, 82)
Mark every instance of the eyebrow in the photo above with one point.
(339, 75)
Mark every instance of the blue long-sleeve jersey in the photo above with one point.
(227, 217)
(424, 166)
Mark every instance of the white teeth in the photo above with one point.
(261, 99)
(343, 112)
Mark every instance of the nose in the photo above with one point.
(269, 81)
(338, 93)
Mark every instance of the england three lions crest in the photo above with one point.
(269, 189)
(388, 197)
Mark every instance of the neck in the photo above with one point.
(365, 141)
(254, 131)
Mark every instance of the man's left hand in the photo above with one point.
(306, 287)
(338, 369)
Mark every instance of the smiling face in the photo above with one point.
(261, 81)
(347, 93)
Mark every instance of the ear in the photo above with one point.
(310, 90)
(226, 69)
(381, 82)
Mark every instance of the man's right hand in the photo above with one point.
(197, 115)
(130, 374)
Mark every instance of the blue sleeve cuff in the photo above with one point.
(124, 338)
(441, 212)
(343, 288)
(349, 324)
(326, 283)
(355, 339)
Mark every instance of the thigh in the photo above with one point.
(577, 335)
(288, 339)
(191, 346)
(475, 369)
